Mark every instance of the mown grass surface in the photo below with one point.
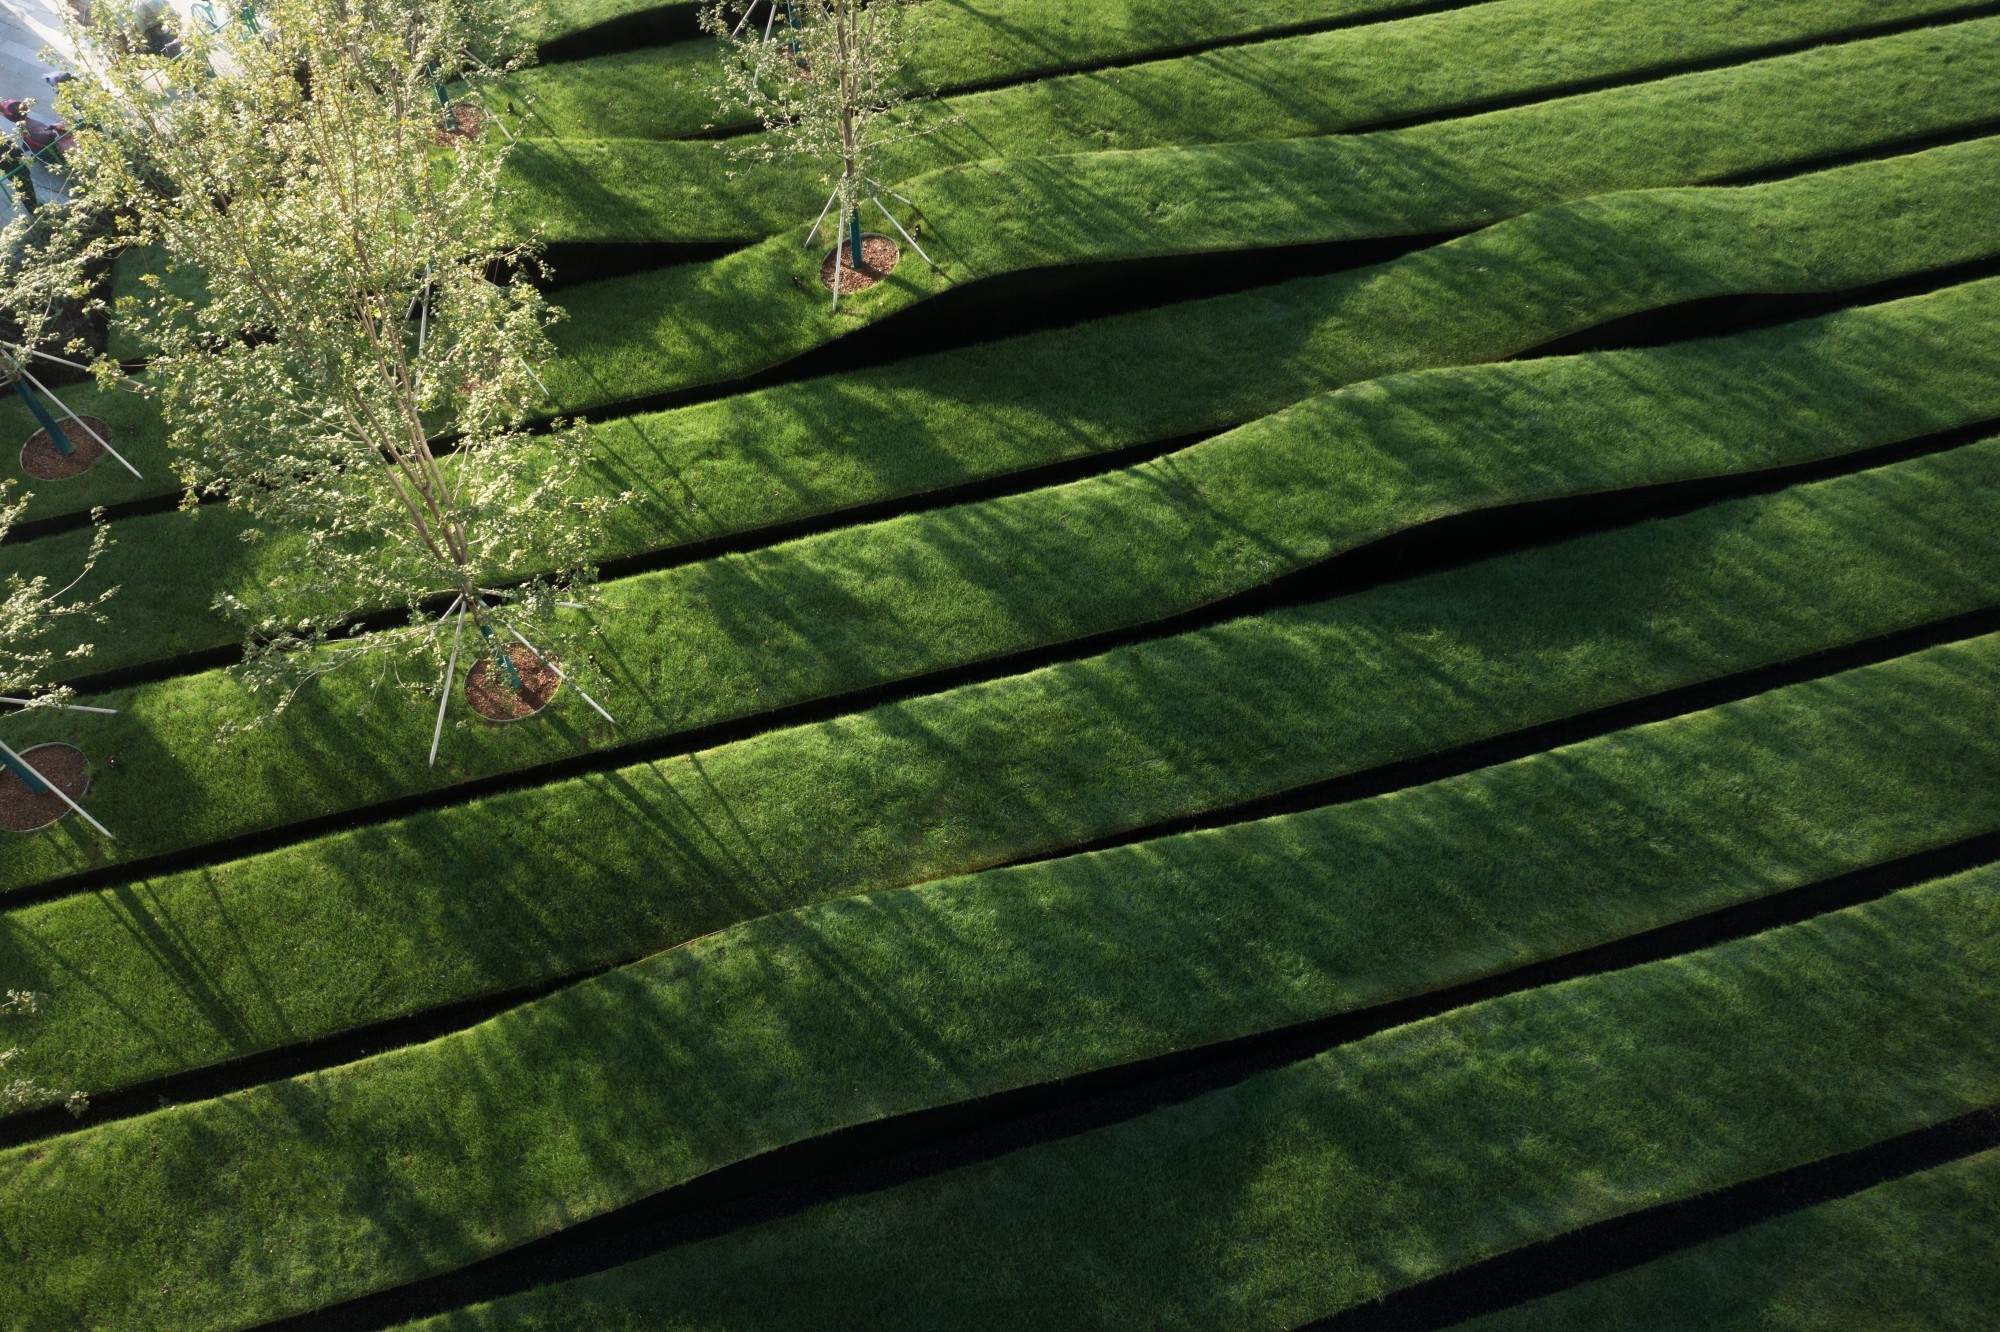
(508, 890)
(1914, 1253)
(791, 1026)
(729, 638)
(868, 964)
(996, 216)
(1264, 92)
(1026, 37)
(1269, 90)
(1226, 514)
(676, 328)
(1331, 1182)
(820, 445)
(667, 91)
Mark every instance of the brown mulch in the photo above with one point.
(63, 766)
(879, 256)
(40, 460)
(487, 691)
(469, 123)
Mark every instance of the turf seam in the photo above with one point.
(1915, 143)
(858, 350)
(1610, 335)
(1689, 321)
(1424, 549)
(1604, 1248)
(789, 370)
(1419, 9)
(809, 365)
(899, 1149)
(431, 1023)
(1456, 110)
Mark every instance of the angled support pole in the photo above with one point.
(66, 707)
(15, 764)
(104, 443)
(839, 248)
(450, 673)
(53, 359)
(899, 227)
(821, 218)
(544, 659)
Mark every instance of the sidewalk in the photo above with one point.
(26, 27)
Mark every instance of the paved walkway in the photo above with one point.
(26, 27)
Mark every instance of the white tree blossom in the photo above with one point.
(22, 1093)
(32, 612)
(343, 337)
(829, 81)
(46, 261)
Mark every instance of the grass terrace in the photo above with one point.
(1382, 686)
(1359, 64)
(1808, 105)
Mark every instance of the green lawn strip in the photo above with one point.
(135, 432)
(676, 328)
(817, 446)
(1292, 86)
(993, 215)
(1599, 841)
(911, 595)
(668, 91)
(1244, 94)
(729, 637)
(1329, 1183)
(187, 969)
(998, 39)
(791, 1026)
(1914, 1253)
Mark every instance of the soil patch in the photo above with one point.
(468, 122)
(40, 459)
(486, 689)
(62, 766)
(879, 257)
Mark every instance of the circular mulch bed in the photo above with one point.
(879, 257)
(40, 459)
(468, 122)
(62, 766)
(488, 693)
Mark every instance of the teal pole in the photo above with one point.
(42, 418)
(505, 659)
(854, 239)
(27, 774)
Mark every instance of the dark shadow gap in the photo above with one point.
(1720, 316)
(662, 25)
(1433, 547)
(1443, 543)
(573, 263)
(1001, 310)
(671, 24)
(1916, 143)
(1675, 69)
(987, 310)
(1041, 300)
(374, 1038)
(902, 1149)
(1480, 106)
(1550, 1266)
(1748, 312)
